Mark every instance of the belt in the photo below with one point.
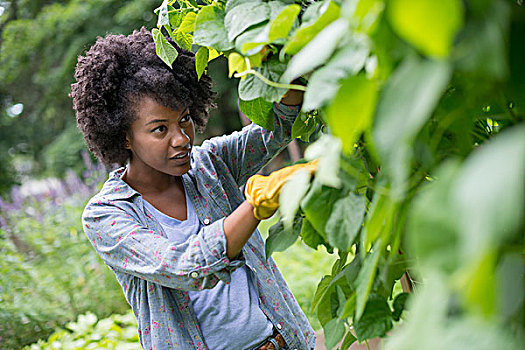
(275, 342)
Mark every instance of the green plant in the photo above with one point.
(420, 105)
(48, 274)
(88, 332)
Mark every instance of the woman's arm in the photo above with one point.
(245, 152)
(238, 227)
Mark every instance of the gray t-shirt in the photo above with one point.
(229, 314)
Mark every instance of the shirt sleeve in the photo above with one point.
(127, 245)
(245, 152)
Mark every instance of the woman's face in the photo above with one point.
(160, 139)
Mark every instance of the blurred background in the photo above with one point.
(51, 280)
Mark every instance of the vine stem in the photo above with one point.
(265, 80)
(269, 82)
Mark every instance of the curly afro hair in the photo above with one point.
(115, 73)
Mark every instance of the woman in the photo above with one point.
(171, 222)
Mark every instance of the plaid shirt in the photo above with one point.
(156, 274)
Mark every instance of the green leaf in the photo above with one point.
(347, 341)
(245, 15)
(376, 320)
(365, 279)
(292, 194)
(210, 30)
(310, 236)
(258, 111)
(379, 218)
(317, 51)
(317, 205)
(163, 18)
(326, 81)
(349, 307)
(303, 128)
(351, 112)
(486, 57)
(281, 25)
(236, 63)
(252, 40)
(406, 103)
(188, 23)
(307, 31)
(399, 305)
(328, 150)
(201, 60)
(320, 292)
(184, 40)
(433, 208)
(166, 52)
(488, 193)
(252, 87)
(427, 24)
(280, 238)
(334, 331)
(345, 221)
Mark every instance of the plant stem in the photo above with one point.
(269, 82)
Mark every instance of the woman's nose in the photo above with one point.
(179, 138)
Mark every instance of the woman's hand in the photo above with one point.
(293, 98)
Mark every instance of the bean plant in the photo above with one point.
(416, 111)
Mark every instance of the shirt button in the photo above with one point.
(194, 274)
(206, 221)
(279, 327)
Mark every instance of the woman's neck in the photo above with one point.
(152, 182)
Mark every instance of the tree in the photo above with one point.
(40, 43)
(419, 112)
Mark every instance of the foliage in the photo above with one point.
(88, 332)
(48, 274)
(422, 157)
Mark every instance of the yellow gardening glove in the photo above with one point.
(262, 192)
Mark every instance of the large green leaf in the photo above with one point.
(307, 31)
(427, 24)
(406, 103)
(210, 30)
(291, 195)
(324, 82)
(245, 15)
(351, 112)
(303, 127)
(281, 25)
(488, 193)
(258, 111)
(252, 87)
(166, 52)
(310, 236)
(317, 205)
(365, 279)
(328, 150)
(334, 331)
(376, 319)
(317, 51)
(345, 221)
(432, 234)
(280, 237)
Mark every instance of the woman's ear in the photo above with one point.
(127, 143)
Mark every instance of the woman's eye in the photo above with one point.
(159, 129)
(185, 119)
